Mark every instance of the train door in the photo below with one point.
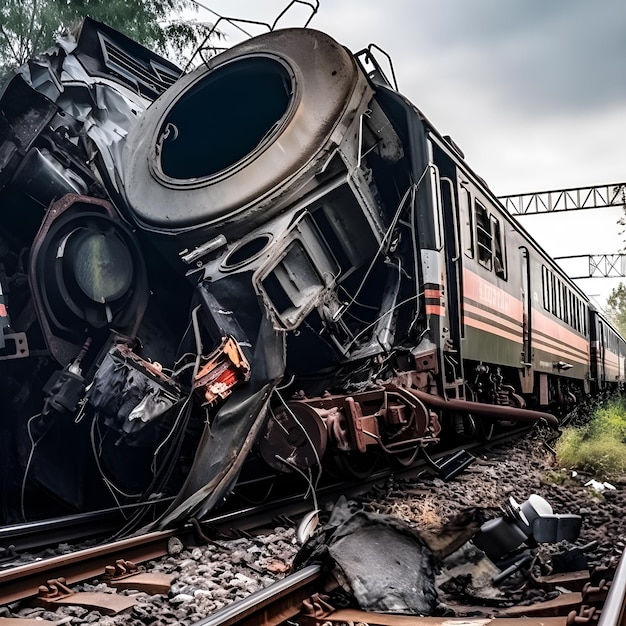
(526, 373)
(602, 355)
(454, 273)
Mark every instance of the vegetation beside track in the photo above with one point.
(597, 443)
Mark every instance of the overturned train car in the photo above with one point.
(274, 256)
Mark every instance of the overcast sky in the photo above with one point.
(533, 91)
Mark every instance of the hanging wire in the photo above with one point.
(162, 474)
(339, 314)
(359, 304)
(114, 490)
(33, 445)
(196, 367)
(239, 494)
(313, 485)
(380, 317)
(285, 385)
(299, 423)
(309, 479)
(238, 23)
(411, 191)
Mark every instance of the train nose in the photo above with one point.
(236, 141)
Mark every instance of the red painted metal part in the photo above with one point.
(494, 411)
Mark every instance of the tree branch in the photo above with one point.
(9, 43)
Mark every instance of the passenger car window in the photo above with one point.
(546, 287)
(489, 240)
(498, 248)
(467, 222)
(484, 240)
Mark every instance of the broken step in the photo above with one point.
(452, 465)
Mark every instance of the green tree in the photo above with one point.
(616, 308)
(30, 26)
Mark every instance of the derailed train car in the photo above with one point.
(274, 256)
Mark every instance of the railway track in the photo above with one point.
(23, 580)
(289, 601)
(274, 604)
(295, 600)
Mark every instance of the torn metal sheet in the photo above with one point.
(379, 560)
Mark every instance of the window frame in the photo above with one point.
(482, 222)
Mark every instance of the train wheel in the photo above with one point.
(356, 465)
(294, 437)
(483, 427)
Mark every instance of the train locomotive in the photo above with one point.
(274, 256)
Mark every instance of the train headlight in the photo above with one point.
(101, 264)
(87, 274)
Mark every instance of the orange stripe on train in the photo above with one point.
(557, 345)
(435, 309)
(492, 330)
(482, 291)
(561, 353)
(433, 293)
(551, 328)
(474, 310)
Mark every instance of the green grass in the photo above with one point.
(597, 447)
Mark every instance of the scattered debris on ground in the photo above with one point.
(431, 521)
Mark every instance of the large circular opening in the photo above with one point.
(224, 117)
(246, 251)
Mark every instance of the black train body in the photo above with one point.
(275, 257)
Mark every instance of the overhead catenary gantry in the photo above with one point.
(598, 265)
(578, 266)
(575, 199)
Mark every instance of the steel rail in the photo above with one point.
(271, 605)
(41, 533)
(613, 610)
(23, 581)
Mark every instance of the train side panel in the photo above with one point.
(608, 353)
(518, 311)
